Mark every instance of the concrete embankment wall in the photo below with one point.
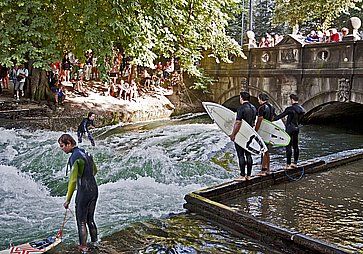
(206, 202)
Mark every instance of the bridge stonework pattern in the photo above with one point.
(319, 73)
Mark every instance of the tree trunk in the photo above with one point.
(133, 73)
(39, 85)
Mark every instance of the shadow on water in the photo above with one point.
(347, 116)
(178, 234)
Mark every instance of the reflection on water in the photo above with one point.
(328, 205)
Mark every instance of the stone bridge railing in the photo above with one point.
(319, 73)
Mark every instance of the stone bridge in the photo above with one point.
(328, 77)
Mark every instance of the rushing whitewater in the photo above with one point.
(142, 174)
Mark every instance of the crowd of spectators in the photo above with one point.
(331, 35)
(124, 80)
(269, 40)
(128, 82)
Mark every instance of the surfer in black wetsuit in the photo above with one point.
(294, 114)
(265, 111)
(82, 174)
(83, 128)
(246, 112)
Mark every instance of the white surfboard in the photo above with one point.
(273, 134)
(279, 123)
(34, 247)
(247, 137)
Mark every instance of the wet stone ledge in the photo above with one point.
(20, 113)
(207, 202)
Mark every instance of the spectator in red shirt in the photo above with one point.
(334, 35)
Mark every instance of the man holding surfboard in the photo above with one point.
(265, 111)
(294, 114)
(246, 114)
(83, 170)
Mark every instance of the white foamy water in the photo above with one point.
(142, 175)
(26, 208)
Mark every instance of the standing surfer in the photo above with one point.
(83, 128)
(265, 111)
(246, 112)
(294, 114)
(82, 174)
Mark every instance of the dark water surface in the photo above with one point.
(327, 205)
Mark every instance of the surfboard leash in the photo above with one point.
(65, 220)
(302, 170)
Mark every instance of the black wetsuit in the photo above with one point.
(267, 111)
(294, 115)
(247, 113)
(83, 128)
(83, 170)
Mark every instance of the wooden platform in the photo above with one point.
(205, 202)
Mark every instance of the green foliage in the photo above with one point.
(27, 32)
(40, 30)
(297, 12)
(341, 21)
(263, 17)
(262, 20)
(235, 25)
(201, 81)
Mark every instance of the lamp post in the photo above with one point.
(251, 16)
(243, 21)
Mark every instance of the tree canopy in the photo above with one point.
(297, 12)
(41, 30)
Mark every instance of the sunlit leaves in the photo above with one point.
(26, 32)
(297, 12)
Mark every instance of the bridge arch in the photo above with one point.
(228, 94)
(233, 102)
(326, 108)
(319, 99)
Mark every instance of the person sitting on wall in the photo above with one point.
(312, 37)
(334, 35)
(79, 86)
(263, 43)
(344, 32)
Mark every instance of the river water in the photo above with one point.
(145, 170)
(328, 206)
